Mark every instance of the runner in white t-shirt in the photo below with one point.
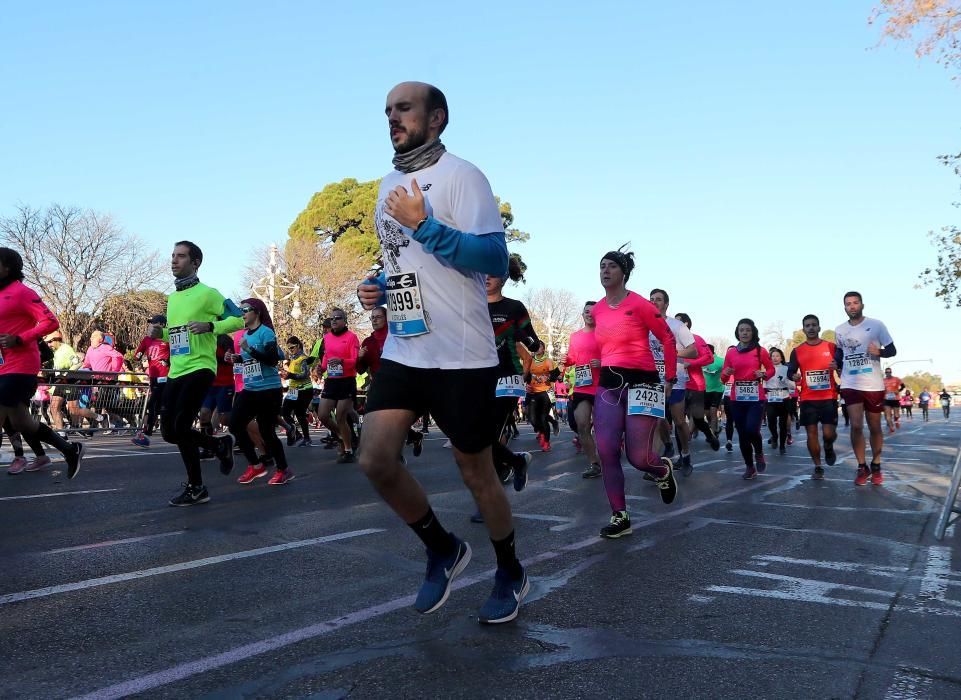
(861, 343)
(686, 349)
(440, 234)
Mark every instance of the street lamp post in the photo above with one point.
(275, 287)
(897, 362)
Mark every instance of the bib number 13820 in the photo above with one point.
(645, 400)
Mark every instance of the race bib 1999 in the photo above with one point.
(645, 400)
(818, 379)
(747, 391)
(512, 386)
(405, 308)
(179, 338)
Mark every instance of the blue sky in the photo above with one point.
(761, 158)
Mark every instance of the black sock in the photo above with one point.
(45, 434)
(506, 557)
(875, 466)
(433, 534)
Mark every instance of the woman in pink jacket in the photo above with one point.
(749, 366)
(24, 319)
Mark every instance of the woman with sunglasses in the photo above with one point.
(341, 349)
(299, 391)
(262, 394)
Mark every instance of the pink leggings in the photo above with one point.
(611, 423)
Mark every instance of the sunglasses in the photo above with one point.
(338, 318)
(247, 309)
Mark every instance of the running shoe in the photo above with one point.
(506, 475)
(191, 496)
(17, 465)
(306, 442)
(345, 458)
(862, 478)
(761, 464)
(790, 439)
(890, 428)
(648, 477)
(546, 446)
(448, 445)
(830, 456)
(140, 440)
(225, 453)
(713, 441)
(577, 444)
(592, 472)
(293, 435)
(728, 446)
(782, 450)
(281, 477)
(441, 572)
(505, 600)
(73, 456)
(770, 441)
(557, 429)
(749, 472)
(520, 473)
(686, 467)
(877, 478)
(619, 526)
(477, 518)
(254, 471)
(667, 484)
(818, 474)
(38, 463)
(418, 444)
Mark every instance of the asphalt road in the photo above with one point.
(777, 588)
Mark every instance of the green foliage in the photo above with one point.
(507, 216)
(917, 381)
(798, 337)
(344, 211)
(945, 276)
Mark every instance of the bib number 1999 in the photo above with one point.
(645, 400)
(405, 308)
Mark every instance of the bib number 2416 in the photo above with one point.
(405, 308)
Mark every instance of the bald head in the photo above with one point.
(416, 114)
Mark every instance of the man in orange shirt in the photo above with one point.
(893, 386)
(812, 364)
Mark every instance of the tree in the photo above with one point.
(78, 259)
(917, 381)
(945, 275)
(327, 277)
(125, 316)
(343, 214)
(798, 337)
(555, 314)
(935, 23)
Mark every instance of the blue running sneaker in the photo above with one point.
(505, 600)
(441, 572)
(140, 440)
(520, 474)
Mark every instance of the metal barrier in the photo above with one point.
(945, 519)
(82, 401)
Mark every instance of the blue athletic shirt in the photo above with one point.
(263, 343)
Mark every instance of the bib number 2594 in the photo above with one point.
(405, 308)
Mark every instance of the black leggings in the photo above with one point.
(538, 410)
(504, 459)
(263, 405)
(728, 419)
(298, 407)
(17, 440)
(182, 400)
(747, 416)
(777, 414)
(154, 403)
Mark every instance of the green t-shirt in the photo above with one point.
(712, 375)
(190, 352)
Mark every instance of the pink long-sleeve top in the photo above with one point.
(582, 348)
(344, 347)
(622, 335)
(745, 364)
(103, 358)
(696, 365)
(23, 313)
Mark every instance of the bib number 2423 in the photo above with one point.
(645, 400)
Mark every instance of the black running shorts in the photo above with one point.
(461, 401)
(16, 389)
(339, 388)
(824, 412)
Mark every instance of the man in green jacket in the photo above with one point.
(196, 315)
(713, 389)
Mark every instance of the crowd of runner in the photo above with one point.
(449, 348)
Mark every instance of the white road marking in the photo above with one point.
(937, 571)
(908, 686)
(183, 566)
(53, 495)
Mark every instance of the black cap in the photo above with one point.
(158, 319)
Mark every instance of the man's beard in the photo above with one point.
(415, 139)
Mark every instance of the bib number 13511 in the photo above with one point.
(405, 308)
(645, 400)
